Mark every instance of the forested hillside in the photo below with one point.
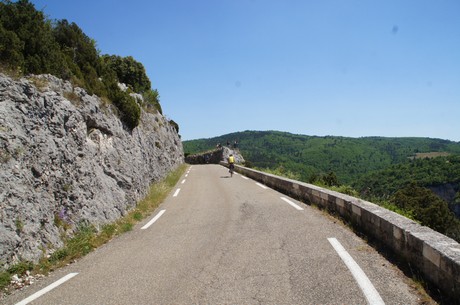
(439, 174)
(309, 156)
(416, 177)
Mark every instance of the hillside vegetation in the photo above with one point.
(32, 44)
(416, 177)
(309, 156)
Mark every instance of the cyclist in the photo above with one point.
(231, 164)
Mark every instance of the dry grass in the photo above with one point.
(40, 83)
(73, 97)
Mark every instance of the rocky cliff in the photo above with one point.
(215, 156)
(66, 158)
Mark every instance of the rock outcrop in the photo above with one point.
(215, 156)
(67, 160)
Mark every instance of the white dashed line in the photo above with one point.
(186, 175)
(47, 289)
(176, 193)
(261, 185)
(244, 177)
(371, 294)
(292, 204)
(183, 181)
(151, 222)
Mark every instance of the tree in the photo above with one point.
(33, 38)
(129, 72)
(30, 43)
(426, 207)
(11, 48)
(80, 54)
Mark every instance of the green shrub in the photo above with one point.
(128, 71)
(109, 230)
(81, 244)
(427, 208)
(126, 227)
(175, 125)
(129, 109)
(29, 43)
(137, 216)
(152, 100)
(5, 278)
(21, 268)
(392, 207)
(345, 189)
(282, 172)
(58, 255)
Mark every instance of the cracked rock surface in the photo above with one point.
(66, 160)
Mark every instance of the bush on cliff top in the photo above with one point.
(32, 44)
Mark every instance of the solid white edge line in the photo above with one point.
(152, 221)
(176, 193)
(261, 185)
(39, 293)
(371, 294)
(292, 204)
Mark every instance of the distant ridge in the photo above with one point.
(349, 158)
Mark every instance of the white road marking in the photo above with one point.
(176, 193)
(244, 177)
(183, 181)
(371, 294)
(39, 293)
(292, 204)
(261, 185)
(186, 175)
(152, 221)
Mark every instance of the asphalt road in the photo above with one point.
(222, 240)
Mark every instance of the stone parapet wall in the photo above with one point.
(209, 157)
(215, 156)
(434, 255)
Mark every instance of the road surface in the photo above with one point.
(222, 240)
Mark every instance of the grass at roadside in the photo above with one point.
(88, 238)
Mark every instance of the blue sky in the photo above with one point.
(331, 67)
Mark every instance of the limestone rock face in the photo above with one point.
(67, 160)
(227, 151)
(215, 156)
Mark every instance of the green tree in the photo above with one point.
(11, 48)
(80, 54)
(40, 52)
(426, 207)
(29, 43)
(331, 179)
(129, 72)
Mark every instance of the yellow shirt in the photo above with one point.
(231, 159)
